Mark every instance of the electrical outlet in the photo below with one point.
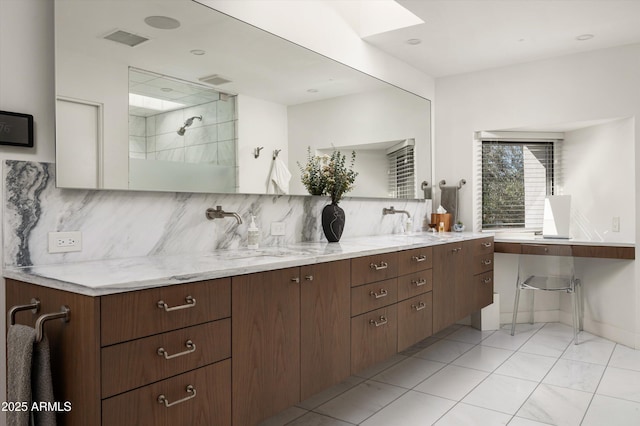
(64, 242)
(615, 224)
(277, 228)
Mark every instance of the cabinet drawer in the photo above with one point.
(415, 318)
(546, 249)
(374, 268)
(483, 285)
(414, 260)
(415, 284)
(208, 400)
(374, 337)
(482, 262)
(128, 316)
(482, 245)
(373, 296)
(144, 364)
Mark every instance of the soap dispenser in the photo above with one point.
(253, 234)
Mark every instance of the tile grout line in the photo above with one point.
(599, 382)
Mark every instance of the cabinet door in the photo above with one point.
(414, 320)
(374, 337)
(324, 325)
(265, 324)
(465, 296)
(448, 270)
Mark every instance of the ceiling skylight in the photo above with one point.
(142, 101)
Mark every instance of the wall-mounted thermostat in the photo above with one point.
(16, 129)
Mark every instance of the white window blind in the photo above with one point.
(401, 172)
(515, 178)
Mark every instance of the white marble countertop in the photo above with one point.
(101, 277)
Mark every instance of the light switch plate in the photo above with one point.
(277, 228)
(64, 242)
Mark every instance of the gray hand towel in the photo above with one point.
(41, 384)
(449, 200)
(20, 339)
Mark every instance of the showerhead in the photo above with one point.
(188, 123)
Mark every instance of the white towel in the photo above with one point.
(279, 178)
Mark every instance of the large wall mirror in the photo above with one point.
(172, 95)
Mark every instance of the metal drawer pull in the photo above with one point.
(308, 277)
(190, 390)
(456, 250)
(420, 306)
(295, 279)
(420, 258)
(486, 280)
(486, 261)
(487, 245)
(191, 302)
(377, 267)
(383, 321)
(420, 282)
(382, 293)
(191, 347)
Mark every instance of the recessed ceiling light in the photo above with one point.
(414, 41)
(162, 22)
(584, 37)
(197, 52)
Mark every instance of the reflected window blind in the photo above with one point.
(401, 173)
(516, 177)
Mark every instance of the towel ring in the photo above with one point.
(64, 314)
(34, 306)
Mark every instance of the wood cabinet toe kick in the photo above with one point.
(237, 350)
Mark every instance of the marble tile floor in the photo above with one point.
(462, 376)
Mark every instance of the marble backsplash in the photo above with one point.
(120, 224)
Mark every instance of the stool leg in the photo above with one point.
(515, 309)
(533, 306)
(576, 320)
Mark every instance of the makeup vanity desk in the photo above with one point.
(564, 247)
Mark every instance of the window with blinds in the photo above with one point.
(401, 172)
(516, 177)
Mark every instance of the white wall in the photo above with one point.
(372, 117)
(597, 85)
(260, 124)
(101, 82)
(599, 171)
(27, 86)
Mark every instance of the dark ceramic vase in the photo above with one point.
(332, 222)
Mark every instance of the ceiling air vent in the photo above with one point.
(124, 37)
(215, 80)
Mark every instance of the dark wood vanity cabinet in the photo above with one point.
(462, 280)
(149, 357)
(290, 337)
(241, 349)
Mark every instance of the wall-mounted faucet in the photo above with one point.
(218, 213)
(392, 210)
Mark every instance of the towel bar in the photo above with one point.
(64, 314)
(34, 306)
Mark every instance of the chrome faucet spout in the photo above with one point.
(218, 213)
(392, 210)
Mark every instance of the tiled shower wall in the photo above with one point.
(211, 140)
